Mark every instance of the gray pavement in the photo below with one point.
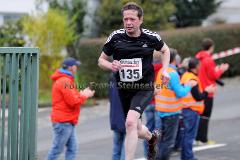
(95, 136)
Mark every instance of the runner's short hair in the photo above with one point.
(133, 6)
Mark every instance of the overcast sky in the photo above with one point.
(17, 5)
(231, 3)
(29, 5)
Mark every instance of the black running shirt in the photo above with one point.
(135, 54)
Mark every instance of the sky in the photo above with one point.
(17, 6)
(231, 3)
(29, 5)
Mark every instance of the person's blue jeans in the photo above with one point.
(178, 142)
(64, 135)
(118, 152)
(169, 126)
(191, 121)
(152, 122)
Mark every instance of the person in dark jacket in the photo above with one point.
(117, 121)
(168, 106)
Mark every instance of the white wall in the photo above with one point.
(229, 11)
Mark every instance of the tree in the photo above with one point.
(156, 13)
(73, 8)
(75, 11)
(51, 31)
(193, 12)
(11, 35)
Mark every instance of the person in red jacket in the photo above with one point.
(208, 74)
(66, 101)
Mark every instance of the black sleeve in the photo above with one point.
(108, 46)
(158, 42)
(197, 95)
(159, 45)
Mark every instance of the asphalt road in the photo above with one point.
(95, 137)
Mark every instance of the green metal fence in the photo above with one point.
(18, 107)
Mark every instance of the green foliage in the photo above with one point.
(73, 8)
(156, 13)
(108, 16)
(11, 35)
(44, 97)
(48, 65)
(89, 70)
(186, 41)
(51, 31)
(75, 11)
(193, 12)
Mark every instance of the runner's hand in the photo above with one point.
(116, 65)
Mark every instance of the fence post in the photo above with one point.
(19, 69)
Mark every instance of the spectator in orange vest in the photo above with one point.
(192, 107)
(168, 106)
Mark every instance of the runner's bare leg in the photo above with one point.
(143, 131)
(132, 134)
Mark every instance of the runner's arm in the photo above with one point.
(103, 62)
(165, 57)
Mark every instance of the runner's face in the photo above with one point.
(131, 21)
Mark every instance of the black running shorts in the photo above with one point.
(136, 100)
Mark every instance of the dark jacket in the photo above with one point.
(117, 118)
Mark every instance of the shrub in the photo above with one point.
(89, 70)
(48, 65)
(186, 41)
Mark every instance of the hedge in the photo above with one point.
(186, 41)
(48, 65)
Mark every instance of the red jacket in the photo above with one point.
(207, 73)
(66, 100)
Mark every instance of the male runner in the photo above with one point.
(132, 51)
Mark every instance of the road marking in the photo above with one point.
(210, 146)
(200, 148)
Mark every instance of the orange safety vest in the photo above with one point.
(188, 101)
(166, 99)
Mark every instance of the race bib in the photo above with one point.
(131, 70)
